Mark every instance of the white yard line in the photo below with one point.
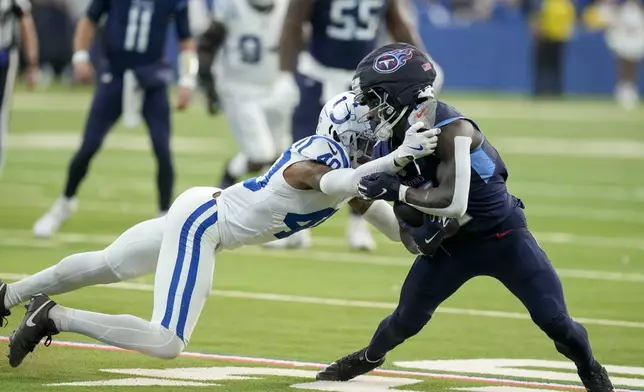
(23, 238)
(354, 304)
(508, 145)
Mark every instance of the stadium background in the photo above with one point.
(576, 162)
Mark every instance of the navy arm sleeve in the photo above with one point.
(96, 9)
(182, 21)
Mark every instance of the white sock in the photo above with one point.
(72, 273)
(238, 166)
(124, 331)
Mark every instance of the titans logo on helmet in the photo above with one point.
(392, 61)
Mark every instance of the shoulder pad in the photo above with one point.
(324, 150)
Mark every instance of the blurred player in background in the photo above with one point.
(341, 33)
(15, 16)
(134, 81)
(248, 33)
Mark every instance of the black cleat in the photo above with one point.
(228, 180)
(4, 312)
(597, 380)
(351, 366)
(35, 326)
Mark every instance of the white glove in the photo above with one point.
(285, 91)
(418, 143)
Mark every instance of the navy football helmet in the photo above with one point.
(395, 81)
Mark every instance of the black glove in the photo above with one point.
(430, 235)
(379, 186)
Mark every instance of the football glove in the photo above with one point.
(419, 142)
(379, 186)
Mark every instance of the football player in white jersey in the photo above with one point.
(248, 34)
(302, 189)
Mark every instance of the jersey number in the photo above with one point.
(354, 20)
(137, 34)
(299, 222)
(250, 48)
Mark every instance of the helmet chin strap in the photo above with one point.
(387, 132)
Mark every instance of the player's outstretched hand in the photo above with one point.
(419, 142)
(83, 71)
(379, 186)
(183, 97)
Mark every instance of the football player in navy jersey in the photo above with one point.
(132, 81)
(464, 181)
(341, 33)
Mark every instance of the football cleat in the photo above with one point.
(4, 312)
(34, 327)
(49, 223)
(349, 367)
(597, 380)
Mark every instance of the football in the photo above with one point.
(414, 218)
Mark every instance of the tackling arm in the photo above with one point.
(307, 175)
(451, 197)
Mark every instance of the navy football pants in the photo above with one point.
(512, 257)
(105, 111)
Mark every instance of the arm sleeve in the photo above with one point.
(458, 206)
(96, 9)
(181, 20)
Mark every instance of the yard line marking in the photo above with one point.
(353, 304)
(8, 238)
(508, 145)
(316, 365)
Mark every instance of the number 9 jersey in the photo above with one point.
(250, 56)
(266, 208)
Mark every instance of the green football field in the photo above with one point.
(275, 316)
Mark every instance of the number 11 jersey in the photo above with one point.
(136, 30)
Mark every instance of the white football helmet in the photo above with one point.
(346, 122)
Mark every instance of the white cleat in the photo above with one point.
(300, 240)
(48, 224)
(358, 234)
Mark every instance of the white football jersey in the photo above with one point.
(251, 50)
(266, 208)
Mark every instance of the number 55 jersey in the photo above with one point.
(266, 208)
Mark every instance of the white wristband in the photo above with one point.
(80, 56)
(402, 193)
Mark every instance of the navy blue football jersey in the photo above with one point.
(490, 203)
(344, 31)
(135, 31)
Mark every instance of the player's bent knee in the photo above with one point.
(172, 345)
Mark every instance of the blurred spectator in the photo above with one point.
(552, 23)
(625, 38)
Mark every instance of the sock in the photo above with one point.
(72, 273)
(124, 331)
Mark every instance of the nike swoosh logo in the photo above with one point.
(420, 114)
(30, 321)
(334, 152)
(381, 193)
(427, 241)
(419, 148)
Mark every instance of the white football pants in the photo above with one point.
(180, 247)
(261, 131)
